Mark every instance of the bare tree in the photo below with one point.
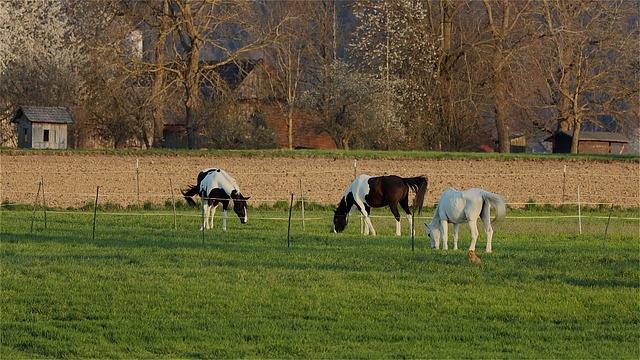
(205, 35)
(503, 42)
(291, 53)
(347, 109)
(592, 47)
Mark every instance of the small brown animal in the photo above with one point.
(473, 257)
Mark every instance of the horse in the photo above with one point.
(217, 187)
(366, 192)
(459, 206)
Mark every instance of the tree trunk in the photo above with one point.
(290, 126)
(502, 122)
(576, 138)
(157, 88)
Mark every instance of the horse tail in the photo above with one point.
(189, 193)
(497, 202)
(419, 185)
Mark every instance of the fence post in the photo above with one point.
(138, 180)
(95, 212)
(289, 227)
(173, 203)
(579, 212)
(606, 229)
(355, 168)
(44, 203)
(35, 204)
(302, 203)
(564, 182)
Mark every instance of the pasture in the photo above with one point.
(142, 289)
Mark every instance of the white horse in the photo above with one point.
(217, 187)
(464, 206)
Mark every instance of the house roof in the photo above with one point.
(43, 114)
(234, 73)
(593, 136)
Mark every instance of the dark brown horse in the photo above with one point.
(366, 192)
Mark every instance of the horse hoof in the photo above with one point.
(473, 257)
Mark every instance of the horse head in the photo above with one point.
(340, 219)
(240, 205)
(433, 232)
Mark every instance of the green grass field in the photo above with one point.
(141, 289)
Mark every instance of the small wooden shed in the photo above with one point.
(41, 127)
(590, 142)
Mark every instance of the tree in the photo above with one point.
(291, 52)
(348, 107)
(205, 35)
(40, 61)
(505, 41)
(394, 42)
(592, 49)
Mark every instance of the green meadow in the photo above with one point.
(138, 288)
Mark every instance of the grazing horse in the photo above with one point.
(217, 187)
(465, 206)
(366, 192)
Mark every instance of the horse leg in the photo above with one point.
(473, 227)
(365, 227)
(205, 214)
(486, 220)
(445, 234)
(405, 206)
(456, 227)
(214, 206)
(410, 220)
(225, 205)
(368, 226)
(396, 215)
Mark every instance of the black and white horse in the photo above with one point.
(217, 187)
(366, 192)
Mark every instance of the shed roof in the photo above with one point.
(593, 136)
(43, 114)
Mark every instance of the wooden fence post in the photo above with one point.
(35, 204)
(44, 202)
(173, 203)
(95, 212)
(289, 227)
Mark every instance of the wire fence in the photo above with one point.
(187, 224)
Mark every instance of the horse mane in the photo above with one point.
(342, 208)
(189, 193)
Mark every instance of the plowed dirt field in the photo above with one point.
(71, 179)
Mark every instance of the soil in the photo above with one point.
(71, 179)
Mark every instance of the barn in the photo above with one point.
(41, 127)
(255, 89)
(590, 142)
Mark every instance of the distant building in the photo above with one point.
(590, 142)
(42, 127)
(256, 91)
(517, 144)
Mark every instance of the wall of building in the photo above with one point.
(48, 136)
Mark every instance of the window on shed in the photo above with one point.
(45, 138)
(25, 135)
